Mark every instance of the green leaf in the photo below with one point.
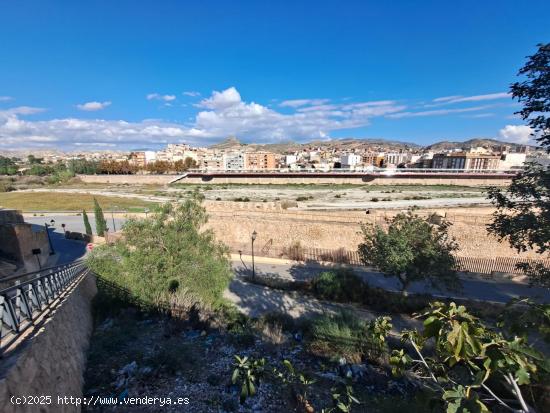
(235, 376)
(523, 376)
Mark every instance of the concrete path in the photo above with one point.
(475, 288)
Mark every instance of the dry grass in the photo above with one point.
(46, 201)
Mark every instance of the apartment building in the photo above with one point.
(234, 161)
(465, 160)
(213, 162)
(512, 160)
(350, 160)
(260, 160)
(372, 158)
(396, 158)
(142, 158)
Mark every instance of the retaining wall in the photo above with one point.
(51, 361)
(266, 180)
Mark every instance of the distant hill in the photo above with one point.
(229, 143)
(472, 143)
(339, 144)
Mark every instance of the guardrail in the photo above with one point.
(358, 171)
(31, 295)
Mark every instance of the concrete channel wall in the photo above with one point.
(464, 180)
(51, 360)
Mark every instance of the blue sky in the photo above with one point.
(125, 74)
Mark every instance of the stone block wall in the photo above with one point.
(52, 361)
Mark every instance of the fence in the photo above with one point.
(297, 252)
(30, 296)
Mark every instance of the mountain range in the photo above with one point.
(232, 143)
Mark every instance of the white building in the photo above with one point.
(396, 158)
(349, 160)
(291, 159)
(234, 161)
(512, 160)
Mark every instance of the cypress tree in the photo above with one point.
(87, 226)
(100, 223)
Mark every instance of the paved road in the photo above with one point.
(472, 288)
(66, 250)
(73, 222)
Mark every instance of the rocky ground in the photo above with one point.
(137, 355)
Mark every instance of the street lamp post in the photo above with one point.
(52, 251)
(254, 235)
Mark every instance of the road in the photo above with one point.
(472, 288)
(73, 222)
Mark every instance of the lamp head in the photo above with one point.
(254, 235)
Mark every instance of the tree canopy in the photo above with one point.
(168, 258)
(100, 223)
(522, 214)
(534, 93)
(412, 249)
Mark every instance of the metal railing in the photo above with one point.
(358, 171)
(479, 265)
(31, 295)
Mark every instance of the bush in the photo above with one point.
(374, 199)
(6, 187)
(295, 251)
(345, 335)
(337, 336)
(169, 246)
(339, 285)
(289, 204)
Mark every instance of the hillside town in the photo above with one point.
(231, 155)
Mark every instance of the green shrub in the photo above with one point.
(170, 246)
(337, 336)
(6, 187)
(339, 285)
(345, 335)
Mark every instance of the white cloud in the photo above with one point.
(5, 98)
(21, 110)
(447, 98)
(295, 103)
(476, 98)
(191, 93)
(157, 96)
(221, 100)
(437, 112)
(222, 114)
(521, 134)
(93, 106)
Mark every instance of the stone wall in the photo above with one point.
(336, 180)
(18, 239)
(128, 179)
(51, 362)
(233, 222)
(385, 180)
